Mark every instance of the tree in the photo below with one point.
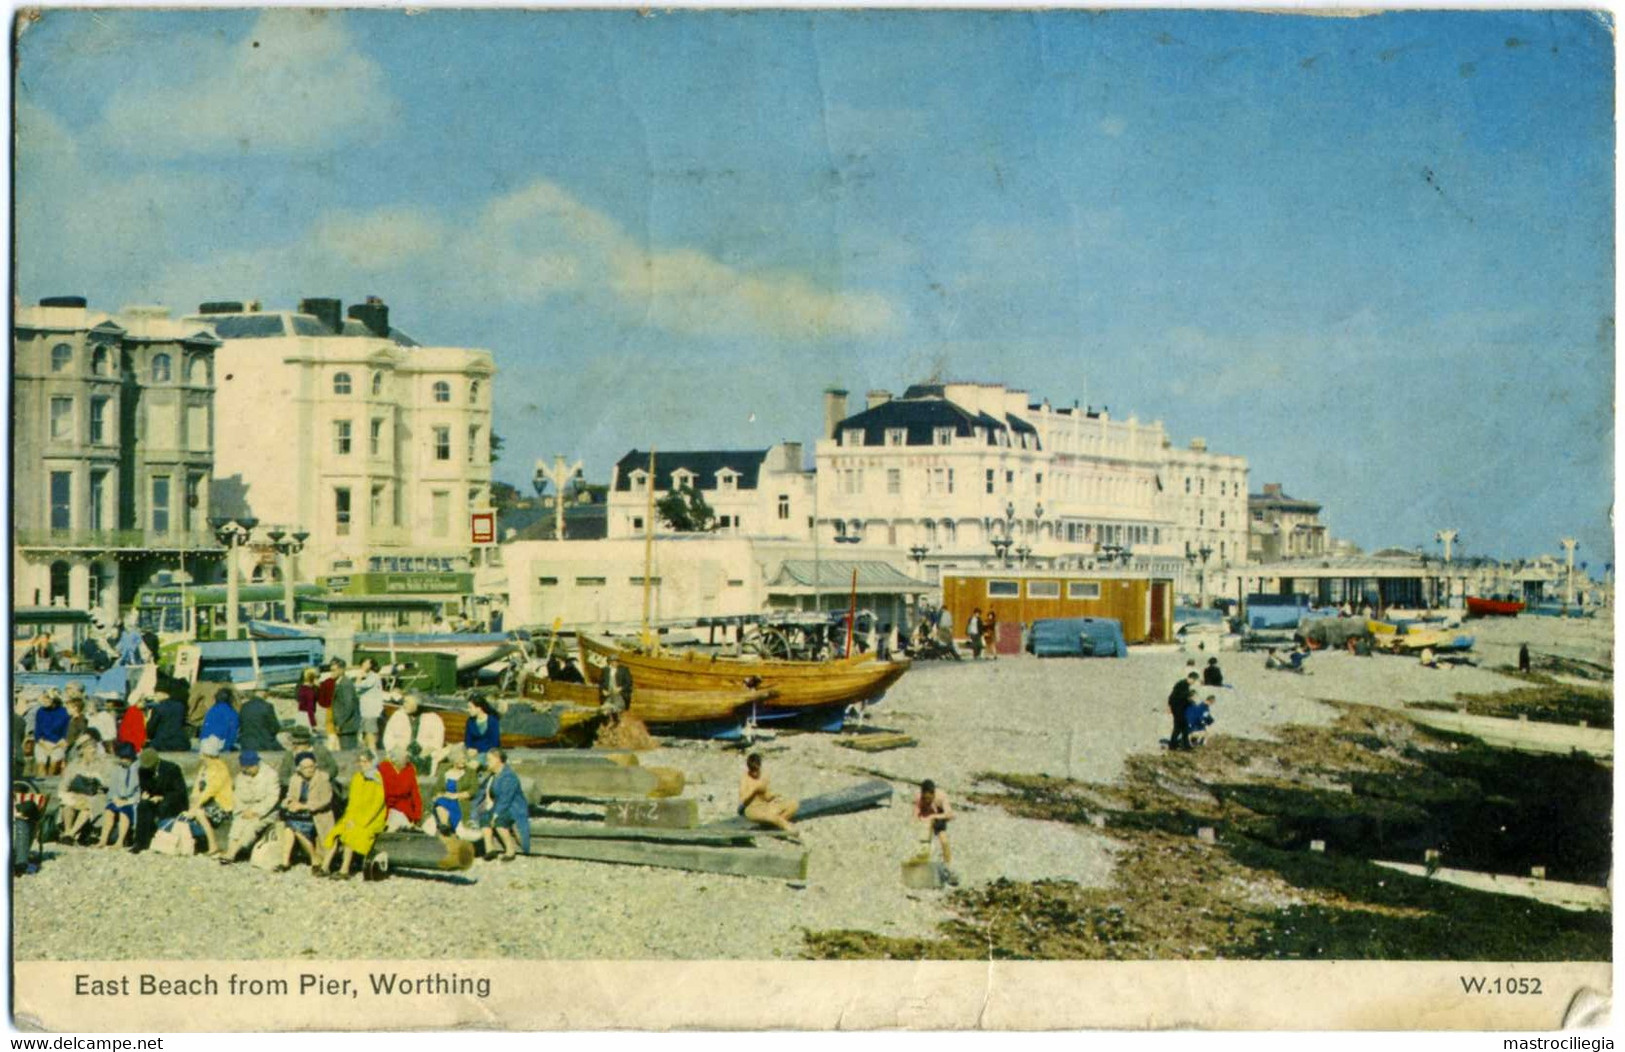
(503, 495)
(685, 511)
(496, 447)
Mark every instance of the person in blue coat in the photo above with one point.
(483, 731)
(509, 810)
(221, 721)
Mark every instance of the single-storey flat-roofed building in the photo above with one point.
(1404, 581)
(1144, 605)
(694, 576)
(814, 583)
(753, 492)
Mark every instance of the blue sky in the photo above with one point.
(1373, 255)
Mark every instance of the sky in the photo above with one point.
(1372, 255)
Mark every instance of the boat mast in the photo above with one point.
(852, 612)
(648, 550)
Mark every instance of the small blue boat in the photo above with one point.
(267, 662)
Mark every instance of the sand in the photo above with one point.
(1063, 717)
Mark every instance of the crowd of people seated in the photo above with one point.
(283, 799)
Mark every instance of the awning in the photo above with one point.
(834, 575)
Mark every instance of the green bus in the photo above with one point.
(187, 612)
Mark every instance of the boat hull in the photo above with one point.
(704, 713)
(1477, 607)
(798, 686)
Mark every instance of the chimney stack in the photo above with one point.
(878, 397)
(1199, 444)
(374, 314)
(1272, 489)
(325, 310)
(834, 410)
(792, 456)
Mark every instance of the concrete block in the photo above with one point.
(922, 873)
(1318, 845)
(1207, 836)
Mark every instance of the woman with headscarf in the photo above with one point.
(483, 731)
(132, 726)
(84, 786)
(307, 810)
(307, 696)
(364, 816)
(123, 793)
(211, 795)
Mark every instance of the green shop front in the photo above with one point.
(390, 601)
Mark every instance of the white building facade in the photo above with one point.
(972, 473)
(753, 492)
(348, 430)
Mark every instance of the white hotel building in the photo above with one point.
(952, 468)
(348, 429)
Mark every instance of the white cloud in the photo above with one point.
(293, 84)
(528, 246)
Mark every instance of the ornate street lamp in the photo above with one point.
(1205, 552)
(1022, 554)
(1001, 549)
(233, 533)
(288, 545)
(918, 553)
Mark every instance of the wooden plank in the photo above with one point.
(1522, 735)
(421, 851)
(592, 831)
(858, 797)
(643, 814)
(878, 742)
(599, 782)
(738, 861)
(1575, 897)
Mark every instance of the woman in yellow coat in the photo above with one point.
(364, 815)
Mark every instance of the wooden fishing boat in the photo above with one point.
(800, 687)
(1414, 638)
(1480, 607)
(538, 727)
(663, 710)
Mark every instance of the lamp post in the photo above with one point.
(560, 475)
(1205, 552)
(288, 545)
(233, 533)
(1022, 554)
(918, 553)
(1001, 550)
(1569, 544)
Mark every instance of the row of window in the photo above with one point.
(440, 439)
(727, 479)
(378, 514)
(1043, 589)
(940, 436)
(635, 582)
(343, 385)
(160, 371)
(100, 497)
(103, 430)
(1226, 489)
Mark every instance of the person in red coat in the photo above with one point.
(402, 800)
(132, 725)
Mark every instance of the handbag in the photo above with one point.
(85, 785)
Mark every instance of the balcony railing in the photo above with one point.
(109, 540)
